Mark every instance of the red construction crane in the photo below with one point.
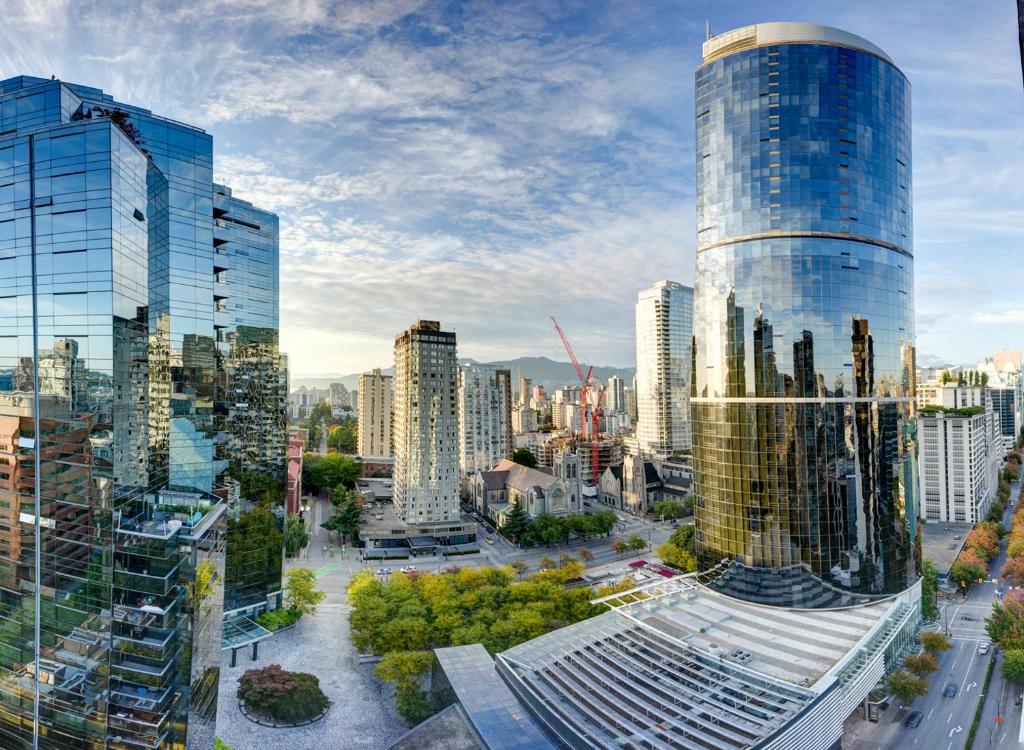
(595, 415)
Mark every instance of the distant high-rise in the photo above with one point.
(425, 432)
(485, 417)
(375, 408)
(805, 478)
(525, 386)
(664, 331)
(616, 394)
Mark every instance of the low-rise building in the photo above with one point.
(637, 485)
(558, 491)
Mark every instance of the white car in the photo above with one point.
(408, 569)
(983, 648)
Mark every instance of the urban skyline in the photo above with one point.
(610, 108)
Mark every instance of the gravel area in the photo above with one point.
(362, 716)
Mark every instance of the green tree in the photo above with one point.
(327, 472)
(585, 555)
(300, 591)
(520, 567)
(604, 522)
(219, 744)
(935, 643)
(524, 457)
(546, 563)
(202, 584)
(685, 537)
(296, 537)
(621, 546)
(548, 529)
(636, 543)
(929, 587)
(349, 516)
(966, 574)
(404, 669)
(343, 437)
(1013, 665)
(906, 686)
(670, 509)
(1005, 625)
(672, 555)
(517, 524)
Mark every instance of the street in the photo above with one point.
(947, 720)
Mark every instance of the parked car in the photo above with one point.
(983, 648)
(913, 720)
(489, 540)
(409, 569)
(383, 571)
(950, 690)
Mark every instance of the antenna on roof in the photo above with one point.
(708, 26)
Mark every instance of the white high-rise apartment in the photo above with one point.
(664, 333)
(616, 394)
(961, 450)
(485, 417)
(374, 414)
(425, 429)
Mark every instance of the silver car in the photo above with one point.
(983, 648)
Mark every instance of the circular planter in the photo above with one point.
(266, 721)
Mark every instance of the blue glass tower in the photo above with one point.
(112, 541)
(803, 372)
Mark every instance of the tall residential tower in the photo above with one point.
(485, 417)
(374, 414)
(664, 332)
(425, 431)
(803, 381)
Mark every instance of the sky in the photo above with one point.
(489, 164)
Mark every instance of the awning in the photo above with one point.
(242, 631)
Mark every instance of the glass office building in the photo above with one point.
(112, 544)
(249, 415)
(803, 371)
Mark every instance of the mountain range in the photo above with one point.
(541, 370)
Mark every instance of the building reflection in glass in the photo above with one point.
(803, 373)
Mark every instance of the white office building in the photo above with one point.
(664, 333)
(374, 414)
(960, 454)
(485, 417)
(425, 433)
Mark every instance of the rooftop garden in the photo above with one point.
(964, 411)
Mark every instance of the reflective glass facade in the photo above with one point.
(112, 547)
(249, 418)
(803, 370)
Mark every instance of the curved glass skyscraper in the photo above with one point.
(803, 372)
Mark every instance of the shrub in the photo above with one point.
(285, 696)
(279, 618)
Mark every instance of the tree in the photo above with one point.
(685, 537)
(349, 516)
(1013, 665)
(905, 686)
(300, 591)
(935, 643)
(517, 524)
(983, 540)
(327, 472)
(521, 567)
(966, 574)
(564, 558)
(203, 584)
(670, 509)
(621, 546)
(929, 587)
(636, 543)
(546, 563)
(219, 744)
(672, 555)
(585, 555)
(921, 665)
(343, 437)
(404, 669)
(1005, 625)
(1013, 569)
(548, 528)
(604, 522)
(524, 457)
(296, 537)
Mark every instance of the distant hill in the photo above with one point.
(541, 370)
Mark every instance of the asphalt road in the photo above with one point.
(947, 720)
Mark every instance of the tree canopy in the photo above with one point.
(525, 457)
(327, 472)
(300, 591)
